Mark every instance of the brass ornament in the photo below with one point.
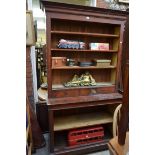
(84, 80)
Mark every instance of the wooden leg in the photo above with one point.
(51, 130)
(116, 149)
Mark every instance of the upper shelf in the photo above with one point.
(79, 50)
(86, 34)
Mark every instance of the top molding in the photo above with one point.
(48, 5)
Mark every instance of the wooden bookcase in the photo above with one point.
(76, 107)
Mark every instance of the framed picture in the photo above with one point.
(30, 35)
(123, 1)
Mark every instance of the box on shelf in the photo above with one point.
(85, 135)
(102, 62)
(58, 61)
(85, 63)
(99, 46)
(71, 44)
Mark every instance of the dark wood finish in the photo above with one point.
(116, 149)
(63, 75)
(84, 101)
(29, 81)
(87, 24)
(124, 121)
(83, 150)
(82, 91)
(42, 116)
(48, 54)
(85, 34)
(51, 129)
(78, 67)
(29, 139)
(92, 98)
(74, 50)
(38, 138)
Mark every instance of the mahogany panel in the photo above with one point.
(63, 76)
(84, 104)
(42, 116)
(74, 50)
(84, 101)
(83, 55)
(85, 34)
(98, 97)
(89, 39)
(81, 92)
(83, 149)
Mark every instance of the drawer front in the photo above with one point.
(82, 92)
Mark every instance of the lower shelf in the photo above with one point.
(81, 120)
(61, 143)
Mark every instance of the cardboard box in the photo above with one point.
(102, 63)
(99, 46)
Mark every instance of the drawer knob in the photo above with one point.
(88, 17)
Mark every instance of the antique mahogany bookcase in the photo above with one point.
(83, 106)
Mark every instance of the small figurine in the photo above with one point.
(84, 80)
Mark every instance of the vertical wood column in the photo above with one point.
(124, 121)
(51, 129)
(48, 42)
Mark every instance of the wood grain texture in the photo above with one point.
(124, 120)
(84, 149)
(78, 67)
(42, 116)
(84, 101)
(74, 50)
(88, 24)
(81, 120)
(116, 148)
(82, 91)
(98, 97)
(85, 34)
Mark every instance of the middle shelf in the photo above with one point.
(80, 120)
(78, 67)
(82, 50)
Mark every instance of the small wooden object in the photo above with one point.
(58, 61)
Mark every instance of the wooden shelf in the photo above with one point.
(98, 84)
(81, 120)
(81, 99)
(78, 67)
(61, 141)
(85, 34)
(78, 50)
